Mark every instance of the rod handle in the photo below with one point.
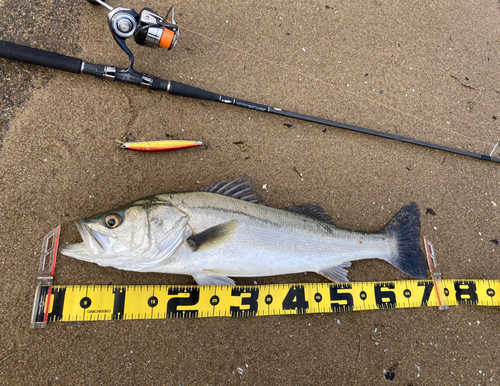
(30, 55)
(185, 90)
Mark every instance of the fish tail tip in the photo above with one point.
(405, 227)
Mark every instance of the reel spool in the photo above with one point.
(147, 27)
(154, 31)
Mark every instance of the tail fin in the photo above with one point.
(405, 227)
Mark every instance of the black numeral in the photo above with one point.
(467, 294)
(245, 301)
(385, 298)
(341, 301)
(429, 285)
(295, 299)
(173, 303)
(57, 304)
(119, 304)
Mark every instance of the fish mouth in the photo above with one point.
(94, 243)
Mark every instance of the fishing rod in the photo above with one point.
(150, 29)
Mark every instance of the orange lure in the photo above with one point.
(158, 145)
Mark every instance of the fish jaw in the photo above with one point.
(94, 245)
(78, 251)
(89, 240)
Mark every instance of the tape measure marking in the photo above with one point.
(109, 302)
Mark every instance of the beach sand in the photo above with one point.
(424, 70)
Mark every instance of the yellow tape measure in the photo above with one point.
(70, 303)
(109, 302)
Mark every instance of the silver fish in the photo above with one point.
(224, 231)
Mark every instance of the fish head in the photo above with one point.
(136, 237)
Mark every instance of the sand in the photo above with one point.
(420, 69)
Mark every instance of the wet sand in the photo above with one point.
(421, 70)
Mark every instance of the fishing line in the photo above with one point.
(496, 145)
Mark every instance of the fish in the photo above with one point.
(224, 231)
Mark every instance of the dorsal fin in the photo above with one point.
(235, 189)
(314, 211)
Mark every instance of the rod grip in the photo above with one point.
(184, 90)
(30, 55)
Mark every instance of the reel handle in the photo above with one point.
(39, 57)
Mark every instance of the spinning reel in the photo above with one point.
(148, 28)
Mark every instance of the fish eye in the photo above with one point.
(112, 220)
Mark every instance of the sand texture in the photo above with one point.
(425, 70)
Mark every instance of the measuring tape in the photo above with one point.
(74, 303)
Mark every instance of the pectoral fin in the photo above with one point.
(212, 237)
(211, 279)
(337, 274)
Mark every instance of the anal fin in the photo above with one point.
(211, 279)
(337, 274)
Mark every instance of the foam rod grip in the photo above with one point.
(39, 57)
